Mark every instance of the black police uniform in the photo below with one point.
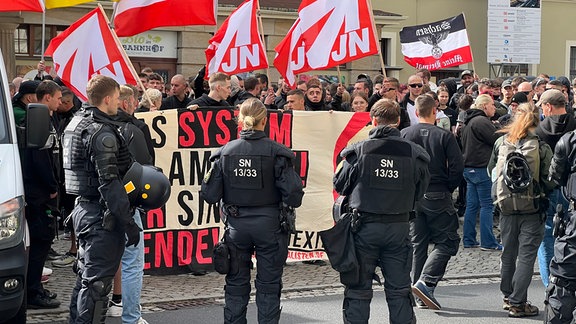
(560, 303)
(95, 160)
(383, 177)
(253, 176)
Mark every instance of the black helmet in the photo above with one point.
(517, 175)
(147, 187)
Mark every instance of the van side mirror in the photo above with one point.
(37, 125)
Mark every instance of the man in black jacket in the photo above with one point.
(555, 124)
(219, 91)
(385, 165)
(436, 218)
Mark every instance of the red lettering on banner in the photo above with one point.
(204, 128)
(173, 251)
(164, 249)
(301, 165)
(188, 138)
(222, 115)
(147, 237)
(204, 120)
(155, 218)
(201, 246)
(185, 243)
(281, 130)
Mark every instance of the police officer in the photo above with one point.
(255, 178)
(95, 161)
(560, 303)
(383, 177)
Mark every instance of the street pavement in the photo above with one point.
(165, 293)
(478, 303)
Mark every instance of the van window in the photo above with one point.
(4, 125)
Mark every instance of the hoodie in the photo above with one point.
(553, 127)
(478, 137)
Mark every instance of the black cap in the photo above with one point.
(26, 87)
(519, 98)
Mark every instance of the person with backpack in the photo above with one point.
(519, 167)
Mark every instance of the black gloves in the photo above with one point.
(133, 233)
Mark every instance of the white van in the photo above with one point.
(13, 257)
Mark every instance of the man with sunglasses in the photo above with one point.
(526, 88)
(415, 85)
(389, 90)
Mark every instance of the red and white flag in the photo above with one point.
(22, 5)
(86, 48)
(327, 33)
(436, 45)
(136, 16)
(237, 46)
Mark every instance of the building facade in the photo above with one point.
(181, 49)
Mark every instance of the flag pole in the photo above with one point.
(339, 75)
(376, 38)
(263, 41)
(471, 51)
(43, 32)
(125, 56)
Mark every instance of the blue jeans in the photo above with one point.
(478, 197)
(546, 250)
(132, 272)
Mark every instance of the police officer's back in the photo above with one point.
(561, 291)
(383, 176)
(255, 179)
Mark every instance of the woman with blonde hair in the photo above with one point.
(155, 97)
(519, 166)
(254, 180)
(478, 137)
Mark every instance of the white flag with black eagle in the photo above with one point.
(436, 45)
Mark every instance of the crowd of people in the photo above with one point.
(457, 135)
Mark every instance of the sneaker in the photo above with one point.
(66, 260)
(506, 305)
(315, 262)
(523, 310)
(420, 304)
(472, 246)
(426, 294)
(44, 279)
(114, 309)
(41, 301)
(142, 321)
(67, 236)
(53, 255)
(46, 271)
(496, 248)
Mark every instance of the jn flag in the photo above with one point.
(237, 46)
(22, 5)
(86, 48)
(136, 16)
(436, 45)
(327, 33)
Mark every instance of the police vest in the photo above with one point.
(81, 177)
(386, 180)
(248, 167)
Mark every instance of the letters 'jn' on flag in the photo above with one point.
(327, 33)
(436, 45)
(237, 46)
(22, 5)
(86, 48)
(136, 16)
(64, 3)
